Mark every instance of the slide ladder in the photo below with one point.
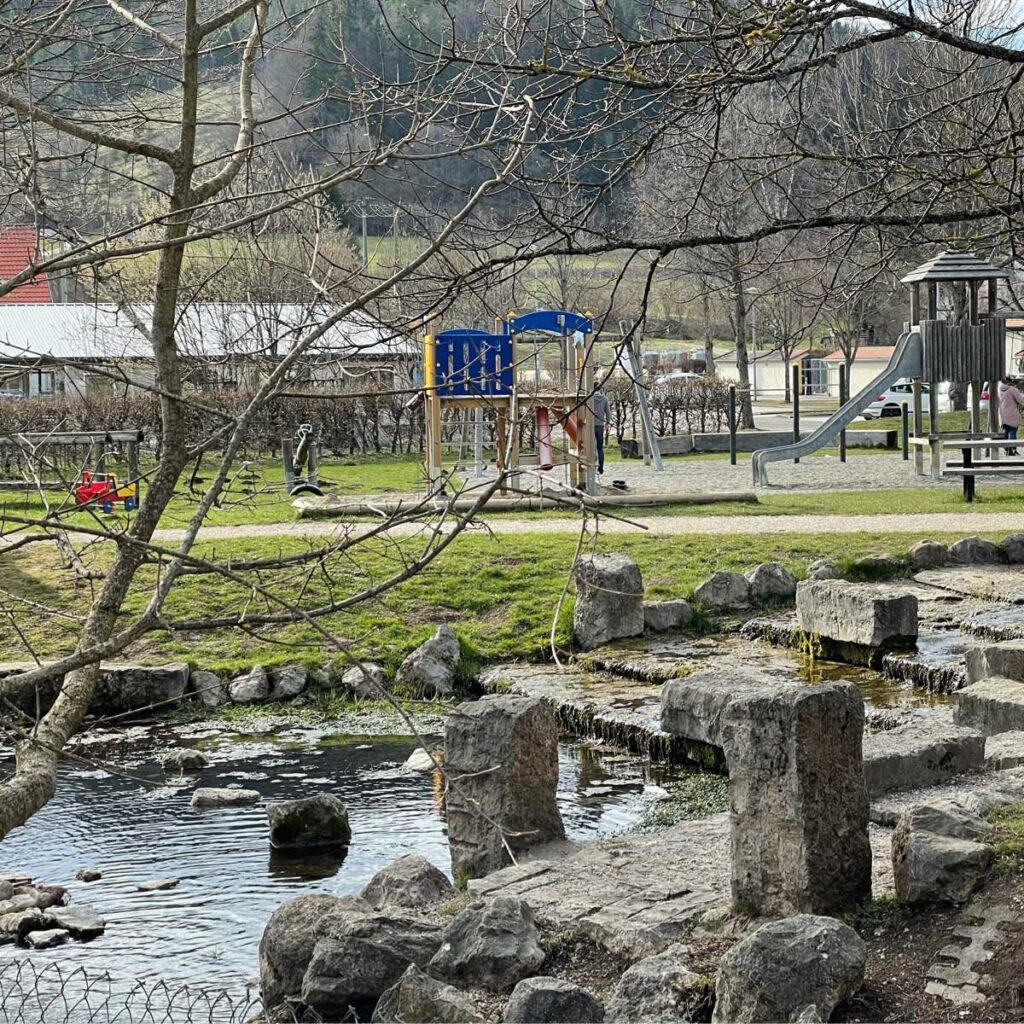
(907, 361)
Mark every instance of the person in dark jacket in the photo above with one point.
(602, 415)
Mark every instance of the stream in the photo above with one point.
(206, 929)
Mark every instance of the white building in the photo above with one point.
(48, 348)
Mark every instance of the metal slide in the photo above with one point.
(907, 361)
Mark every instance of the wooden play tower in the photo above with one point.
(510, 375)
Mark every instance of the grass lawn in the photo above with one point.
(498, 592)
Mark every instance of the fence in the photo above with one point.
(48, 993)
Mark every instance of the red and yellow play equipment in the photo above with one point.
(103, 490)
(466, 370)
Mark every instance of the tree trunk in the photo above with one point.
(709, 343)
(739, 320)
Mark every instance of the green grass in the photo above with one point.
(696, 795)
(498, 591)
(257, 498)
(1007, 838)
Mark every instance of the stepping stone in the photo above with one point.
(992, 706)
(921, 756)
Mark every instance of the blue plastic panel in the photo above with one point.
(472, 363)
(553, 321)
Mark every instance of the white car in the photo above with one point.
(678, 375)
(888, 403)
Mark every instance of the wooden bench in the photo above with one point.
(968, 468)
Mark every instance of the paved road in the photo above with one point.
(939, 522)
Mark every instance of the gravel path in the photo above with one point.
(696, 525)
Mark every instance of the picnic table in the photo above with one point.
(970, 467)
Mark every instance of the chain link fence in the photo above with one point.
(47, 993)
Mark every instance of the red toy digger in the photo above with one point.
(102, 489)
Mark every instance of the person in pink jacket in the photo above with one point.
(1010, 401)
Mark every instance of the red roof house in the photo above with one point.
(18, 248)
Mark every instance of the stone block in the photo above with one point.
(723, 592)
(312, 821)
(799, 805)
(670, 444)
(1004, 750)
(922, 756)
(609, 599)
(927, 554)
(1005, 659)
(975, 551)
(856, 613)
(1012, 548)
(771, 581)
(929, 868)
(661, 616)
(991, 706)
(501, 756)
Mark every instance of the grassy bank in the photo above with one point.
(498, 592)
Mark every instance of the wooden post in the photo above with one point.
(933, 300)
(976, 427)
(133, 469)
(933, 432)
(796, 406)
(905, 429)
(918, 427)
(288, 457)
(843, 398)
(732, 424)
(915, 303)
(432, 406)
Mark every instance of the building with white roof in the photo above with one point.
(82, 347)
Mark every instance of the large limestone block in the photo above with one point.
(931, 868)
(923, 756)
(695, 706)
(430, 669)
(723, 592)
(609, 599)
(411, 881)
(771, 581)
(501, 756)
(799, 804)
(800, 968)
(312, 821)
(1004, 659)
(991, 706)
(855, 613)
(975, 551)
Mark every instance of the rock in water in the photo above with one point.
(252, 688)
(552, 1001)
(430, 669)
(211, 796)
(184, 759)
(88, 875)
(290, 936)
(367, 680)
(930, 868)
(609, 599)
(158, 885)
(655, 988)
(787, 966)
(723, 592)
(771, 581)
(46, 939)
(501, 758)
(320, 820)
(489, 945)
(799, 804)
(927, 554)
(418, 997)
(208, 687)
(411, 881)
(287, 681)
(856, 613)
(361, 957)
(82, 923)
(420, 761)
(660, 616)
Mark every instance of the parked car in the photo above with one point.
(986, 392)
(11, 393)
(678, 375)
(888, 403)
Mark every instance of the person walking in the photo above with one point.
(1010, 401)
(601, 410)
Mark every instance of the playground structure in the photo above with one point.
(929, 349)
(296, 452)
(73, 462)
(468, 373)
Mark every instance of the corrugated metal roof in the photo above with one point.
(83, 331)
(954, 266)
(19, 247)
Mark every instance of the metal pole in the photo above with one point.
(732, 424)
(905, 430)
(918, 427)
(753, 351)
(796, 407)
(478, 444)
(843, 399)
(366, 254)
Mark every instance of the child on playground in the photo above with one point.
(1010, 401)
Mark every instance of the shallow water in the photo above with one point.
(205, 930)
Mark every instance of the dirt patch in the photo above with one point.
(431, 614)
